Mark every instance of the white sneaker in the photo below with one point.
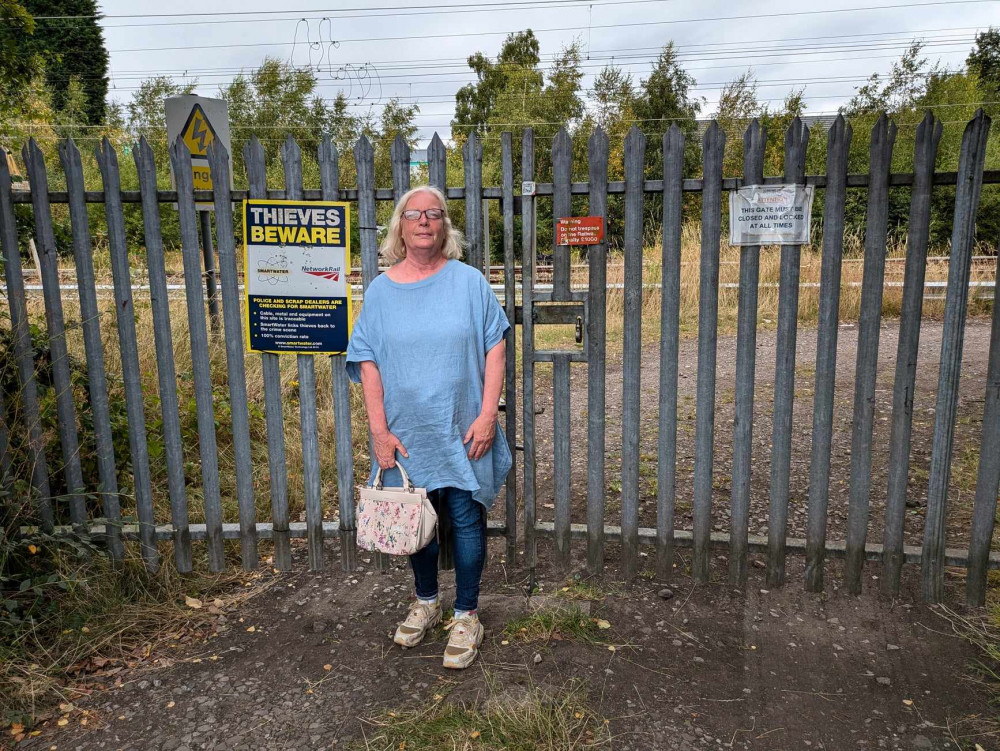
(419, 619)
(463, 643)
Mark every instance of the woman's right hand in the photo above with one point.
(386, 446)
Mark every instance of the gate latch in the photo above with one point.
(579, 329)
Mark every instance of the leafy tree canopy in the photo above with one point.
(904, 85)
(71, 48)
(518, 58)
(18, 63)
(665, 97)
(277, 100)
(984, 61)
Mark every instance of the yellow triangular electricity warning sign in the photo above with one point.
(12, 165)
(198, 132)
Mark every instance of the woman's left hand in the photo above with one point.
(481, 433)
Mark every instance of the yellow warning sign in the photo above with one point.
(198, 132)
(12, 165)
(199, 122)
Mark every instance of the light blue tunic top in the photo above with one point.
(429, 340)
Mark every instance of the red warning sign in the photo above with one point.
(580, 230)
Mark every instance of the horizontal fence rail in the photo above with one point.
(615, 187)
(115, 501)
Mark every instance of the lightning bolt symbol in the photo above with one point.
(200, 133)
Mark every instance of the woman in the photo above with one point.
(428, 350)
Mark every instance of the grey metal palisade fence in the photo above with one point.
(534, 306)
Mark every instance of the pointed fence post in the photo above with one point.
(24, 351)
(713, 148)
(329, 173)
(400, 156)
(61, 378)
(218, 160)
(869, 326)
(796, 142)
(918, 230)
(988, 480)
(562, 154)
(291, 159)
(837, 150)
(635, 157)
(107, 161)
(754, 140)
(180, 157)
(437, 162)
(670, 308)
(166, 371)
(472, 155)
(253, 157)
(364, 160)
(90, 322)
(970, 183)
(597, 313)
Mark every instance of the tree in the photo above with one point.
(775, 123)
(396, 119)
(665, 97)
(904, 84)
(737, 106)
(72, 47)
(614, 98)
(147, 118)
(277, 100)
(984, 61)
(475, 102)
(18, 63)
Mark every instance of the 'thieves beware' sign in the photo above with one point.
(297, 265)
(200, 122)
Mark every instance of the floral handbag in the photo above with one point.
(397, 521)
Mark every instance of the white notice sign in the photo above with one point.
(770, 215)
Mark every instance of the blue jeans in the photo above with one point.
(468, 534)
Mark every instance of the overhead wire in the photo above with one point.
(905, 34)
(615, 60)
(437, 10)
(682, 52)
(644, 23)
(369, 8)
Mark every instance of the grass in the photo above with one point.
(530, 719)
(982, 631)
(91, 617)
(546, 624)
(587, 590)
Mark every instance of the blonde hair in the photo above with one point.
(393, 250)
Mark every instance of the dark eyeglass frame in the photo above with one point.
(413, 215)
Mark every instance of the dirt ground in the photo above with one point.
(309, 663)
(708, 668)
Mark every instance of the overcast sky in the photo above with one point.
(417, 51)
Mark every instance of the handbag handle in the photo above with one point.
(407, 485)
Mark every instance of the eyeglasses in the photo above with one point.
(431, 214)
